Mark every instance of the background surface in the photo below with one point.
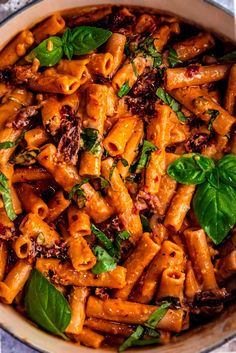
(8, 344)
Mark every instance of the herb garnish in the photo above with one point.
(6, 197)
(146, 151)
(214, 202)
(147, 48)
(91, 141)
(77, 41)
(145, 224)
(9, 144)
(112, 248)
(125, 88)
(78, 193)
(228, 57)
(46, 306)
(114, 164)
(105, 263)
(213, 113)
(174, 105)
(136, 338)
(173, 58)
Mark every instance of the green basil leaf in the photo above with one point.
(106, 242)
(67, 36)
(78, 193)
(120, 237)
(6, 197)
(134, 67)
(124, 89)
(146, 151)
(47, 57)
(190, 169)
(85, 39)
(229, 57)
(174, 105)
(227, 169)
(26, 157)
(132, 339)
(6, 145)
(213, 114)
(145, 224)
(114, 164)
(46, 306)
(173, 58)
(157, 61)
(157, 315)
(68, 50)
(151, 332)
(147, 342)
(9, 144)
(91, 141)
(215, 209)
(105, 262)
(213, 178)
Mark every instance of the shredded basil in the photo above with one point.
(157, 315)
(114, 164)
(229, 57)
(91, 141)
(78, 193)
(125, 88)
(145, 224)
(26, 157)
(6, 197)
(146, 151)
(105, 263)
(213, 113)
(174, 105)
(173, 58)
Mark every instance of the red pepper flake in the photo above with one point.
(156, 179)
(192, 70)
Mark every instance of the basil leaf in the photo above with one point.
(146, 342)
(78, 193)
(213, 113)
(173, 58)
(106, 242)
(49, 52)
(132, 339)
(124, 89)
(213, 177)
(91, 141)
(6, 197)
(174, 105)
(215, 209)
(68, 51)
(134, 67)
(146, 151)
(26, 157)
(145, 224)
(151, 332)
(227, 169)
(190, 169)
(105, 262)
(10, 144)
(120, 237)
(147, 48)
(45, 305)
(229, 57)
(85, 39)
(6, 145)
(114, 164)
(157, 315)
